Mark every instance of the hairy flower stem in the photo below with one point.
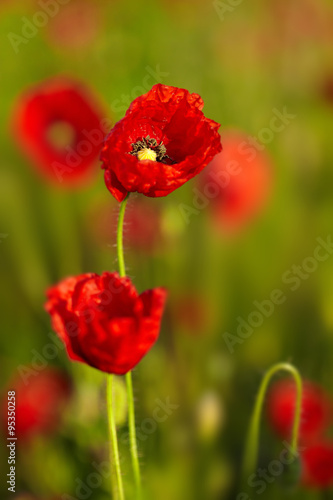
(252, 443)
(131, 412)
(132, 434)
(116, 479)
(120, 247)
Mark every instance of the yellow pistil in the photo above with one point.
(146, 154)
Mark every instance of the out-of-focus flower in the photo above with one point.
(58, 124)
(192, 313)
(315, 413)
(40, 401)
(327, 89)
(163, 141)
(237, 183)
(317, 461)
(143, 226)
(104, 322)
(76, 25)
(303, 20)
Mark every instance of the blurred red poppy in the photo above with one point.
(163, 141)
(104, 322)
(317, 463)
(40, 400)
(143, 227)
(297, 22)
(327, 89)
(316, 410)
(237, 183)
(76, 25)
(192, 313)
(58, 125)
(143, 231)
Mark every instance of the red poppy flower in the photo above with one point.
(316, 409)
(237, 183)
(162, 142)
(40, 401)
(104, 322)
(58, 126)
(317, 463)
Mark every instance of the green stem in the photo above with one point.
(252, 443)
(132, 434)
(114, 451)
(120, 247)
(131, 412)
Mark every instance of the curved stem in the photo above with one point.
(114, 451)
(131, 412)
(252, 443)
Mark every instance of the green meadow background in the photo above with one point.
(245, 60)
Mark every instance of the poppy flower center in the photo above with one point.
(61, 134)
(146, 154)
(149, 149)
